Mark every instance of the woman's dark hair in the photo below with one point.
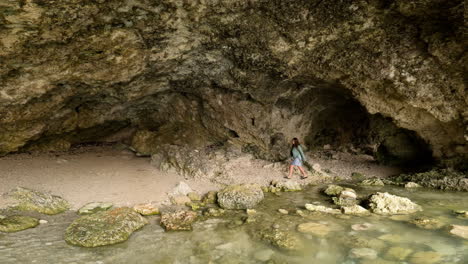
(296, 142)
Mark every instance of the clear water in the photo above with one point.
(220, 241)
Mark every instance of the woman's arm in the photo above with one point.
(301, 152)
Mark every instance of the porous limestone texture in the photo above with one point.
(255, 72)
(388, 204)
(178, 221)
(243, 196)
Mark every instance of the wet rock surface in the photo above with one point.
(17, 223)
(104, 228)
(445, 179)
(243, 196)
(247, 71)
(92, 208)
(178, 221)
(388, 204)
(31, 200)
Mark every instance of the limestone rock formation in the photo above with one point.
(104, 228)
(388, 204)
(244, 196)
(31, 200)
(178, 221)
(389, 73)
(94, 207)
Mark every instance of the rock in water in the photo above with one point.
(412, 185)
(17, 223)
(333, 190)
(146, 209)
(460, 231)
(314, 228)
(427, 223)
(178, 221)
(92, 208)
(363, 253)
(425, 257)
(242, 196)
(354, 210)
(30, 200)
(287, 185)
(321, 208)
(372, 182)
(388, 204)
(282, 239)
(104, 228)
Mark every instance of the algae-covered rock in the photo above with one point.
(357, 176)
(363, 253)
(31, 200)
(387, 204)
(347, 197)
(180, 200)
(210, 197)
(213, 212)
(17, 223)
(242, 196)
(194, 196)
(146, 209)
(104, 228)
(92, 208)
(287, 185)
(333, 190)
(372, 182)
(282, 239)
(444, 179)
(178, 221)
(427, 223)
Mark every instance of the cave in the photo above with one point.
(120, 101)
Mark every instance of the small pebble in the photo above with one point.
(275, 226)
(283, 211)
(42, 221)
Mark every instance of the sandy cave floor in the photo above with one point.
(106, 174)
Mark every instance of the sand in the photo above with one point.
(105, 174)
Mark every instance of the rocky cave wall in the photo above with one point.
(252, 72)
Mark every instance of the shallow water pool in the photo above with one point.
(232, 239)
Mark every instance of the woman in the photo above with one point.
(298, 158)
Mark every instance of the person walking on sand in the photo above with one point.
(298, 158)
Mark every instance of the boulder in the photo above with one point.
(95, 207)
(388, 204)
(210, 197)
(347, 197)
(104, 228)
(354, 210)
(372, 182)
(322, 209)
(282, 239)
(31, 200)
(146, 209)
(314, 228)
(287, 185)
(178, 221)
(363, 253)
(242, 196)
(459, 230)
(333, 190)
(17, 223)
(427, 223)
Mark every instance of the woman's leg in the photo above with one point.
(302, 171)
(291, 168)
